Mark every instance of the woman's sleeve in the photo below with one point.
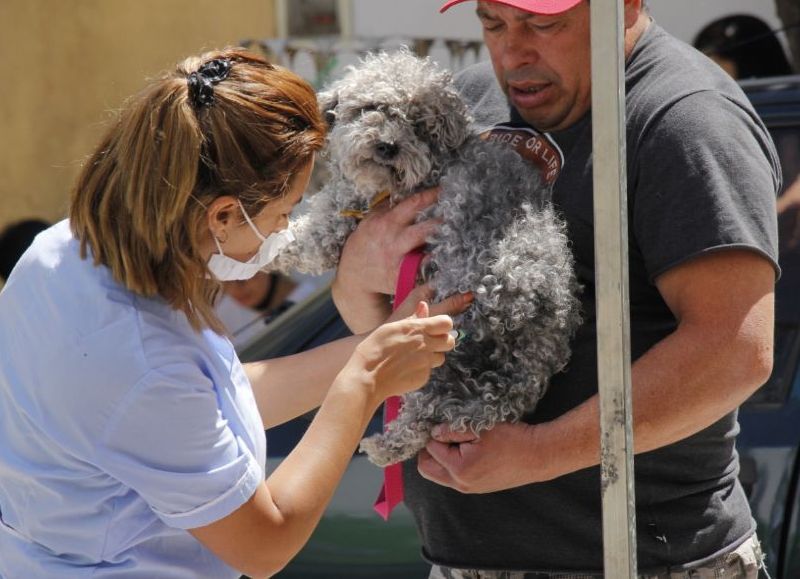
(169, 442)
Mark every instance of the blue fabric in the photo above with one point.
(120, 426)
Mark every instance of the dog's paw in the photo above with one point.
(389, 448)
(375, 450)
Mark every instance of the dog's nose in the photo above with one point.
(387, 151)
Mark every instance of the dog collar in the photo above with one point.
(359, 214)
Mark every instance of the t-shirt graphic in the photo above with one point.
(538, 148)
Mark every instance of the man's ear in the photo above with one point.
(328, 101)
(633, 8)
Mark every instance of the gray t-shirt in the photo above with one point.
(702, 176)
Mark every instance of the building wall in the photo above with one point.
(683, 18)
(67, 64)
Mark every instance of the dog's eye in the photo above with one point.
(421, 127)
(370, 108)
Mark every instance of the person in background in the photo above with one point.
(266, 292)
(246, 306)
(132, 439)
(14, 240)
(744, 46)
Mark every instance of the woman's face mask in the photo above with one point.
(226, 268)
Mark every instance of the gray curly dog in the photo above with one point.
(399, 126)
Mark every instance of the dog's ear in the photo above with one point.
(328, 100)
(451, 125)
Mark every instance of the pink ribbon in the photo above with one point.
(391, 494)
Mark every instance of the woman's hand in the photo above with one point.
(398, 356)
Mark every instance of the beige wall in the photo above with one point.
(66, 64)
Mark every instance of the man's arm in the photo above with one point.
(720, 353)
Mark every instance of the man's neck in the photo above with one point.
(634, 33)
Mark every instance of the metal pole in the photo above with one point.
(611, 271)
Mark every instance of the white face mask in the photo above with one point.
(226, 268)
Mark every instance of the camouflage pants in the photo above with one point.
(745, 562)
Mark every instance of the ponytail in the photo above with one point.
(138, 206)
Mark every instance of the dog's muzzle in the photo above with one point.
(386, 151)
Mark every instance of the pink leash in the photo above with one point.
(391, 494)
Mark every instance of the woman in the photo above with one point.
(132, 438)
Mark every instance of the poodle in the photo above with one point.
(398, 126)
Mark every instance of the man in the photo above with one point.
(702, 178)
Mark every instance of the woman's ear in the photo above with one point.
(221, 213)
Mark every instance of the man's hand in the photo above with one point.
(501, 458)
(372, 254)
(450, 306)
(371, 258)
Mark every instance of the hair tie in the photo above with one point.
(201, 83)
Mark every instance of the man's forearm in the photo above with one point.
(682, 385)
(362, 312)
(685, 383)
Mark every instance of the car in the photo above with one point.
(352, 541)
(770, 420)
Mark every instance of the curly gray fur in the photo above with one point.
(400, 126)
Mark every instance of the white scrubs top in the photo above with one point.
(120, 426)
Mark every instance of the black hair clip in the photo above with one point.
(201, 83)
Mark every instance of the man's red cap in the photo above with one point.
(535, 6)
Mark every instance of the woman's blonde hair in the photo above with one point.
(139, 204)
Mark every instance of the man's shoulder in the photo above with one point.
(663, 70)
(478, 74)
(478, 87)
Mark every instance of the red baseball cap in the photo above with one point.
(535, 6)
